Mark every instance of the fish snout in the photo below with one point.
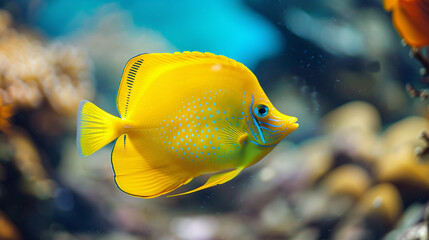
(291, 124)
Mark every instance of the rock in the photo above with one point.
(348, 180)
(354, 115)
(381, 203)
(406, 132)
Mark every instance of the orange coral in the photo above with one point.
(8, 230)
(411, 20)
(6, 112)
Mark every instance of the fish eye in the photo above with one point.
(261, 110)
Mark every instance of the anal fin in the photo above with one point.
(214, 180)
(135, 175)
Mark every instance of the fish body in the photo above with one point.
(411, 19)
(183, 115)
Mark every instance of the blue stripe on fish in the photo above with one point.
(253, 133)
(257, 144)
(272, 124)
(256, 122)
(273, 131)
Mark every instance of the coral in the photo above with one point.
(6, 112)
(381, 202)
(8, 230)
(419, 55)
(41, 85)
(32, 71)
(357, 168)
(347, 180)
(354, 179)
(28, 161)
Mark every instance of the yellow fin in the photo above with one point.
(233, 135)
(243, 138)
(143, 70)
(214, 180)
(95, 128)
(136, 176)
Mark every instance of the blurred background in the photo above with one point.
(355, 169)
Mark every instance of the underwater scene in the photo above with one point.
(209, 120)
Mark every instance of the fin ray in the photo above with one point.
(233, 135)
(95, 128)
(144, 69)
(135, 175)
(214, 180)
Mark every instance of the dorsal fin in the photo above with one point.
(142, 70)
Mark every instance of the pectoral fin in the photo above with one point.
(233, 135)
(214, 180)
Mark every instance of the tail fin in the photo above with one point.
(95, 128)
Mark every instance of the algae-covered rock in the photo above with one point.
(354, 115)
(381, 203)
(408, 131)
(348, 180)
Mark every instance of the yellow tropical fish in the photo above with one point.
(183, 115)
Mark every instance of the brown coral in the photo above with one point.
(32, 71)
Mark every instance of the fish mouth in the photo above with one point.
(292, 124)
